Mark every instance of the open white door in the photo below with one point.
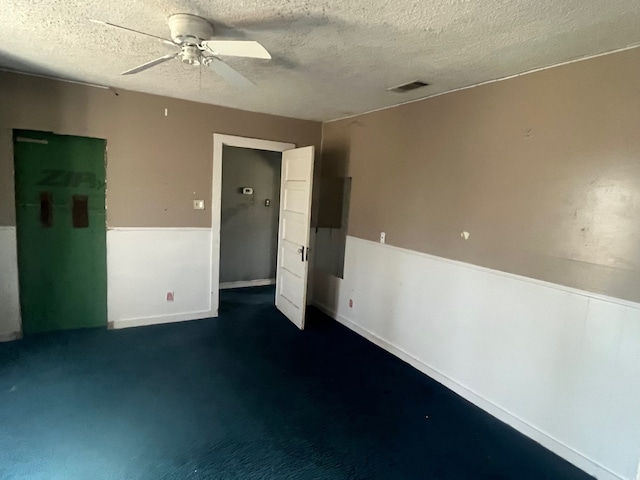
(293, 234)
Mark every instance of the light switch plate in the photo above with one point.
(198, 204)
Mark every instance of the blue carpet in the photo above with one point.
(243, 396)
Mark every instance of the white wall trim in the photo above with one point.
(143, 264)
(514, 276)
(559, 364)
(219, 141)
(158, 320)
(247, 283)
(578, 459)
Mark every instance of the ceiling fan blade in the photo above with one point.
(150, 64)
(229, 74)
(163, 40)
(236, 48)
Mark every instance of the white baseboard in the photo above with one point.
(9, 337)
(544, 439)
(159, 319)
(248, 283)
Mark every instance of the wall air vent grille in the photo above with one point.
(407, 87)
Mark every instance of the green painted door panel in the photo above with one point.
(61, 229)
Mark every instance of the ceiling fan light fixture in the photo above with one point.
(190, 55)
(190, 61)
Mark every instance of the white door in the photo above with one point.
(293, 234)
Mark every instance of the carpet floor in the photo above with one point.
(243, 396)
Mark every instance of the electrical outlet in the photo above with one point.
(383, 237)
(198, 204)
(350, 303)
(169, 296)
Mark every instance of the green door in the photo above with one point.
(61, 229)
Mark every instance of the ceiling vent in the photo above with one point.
(407, 87)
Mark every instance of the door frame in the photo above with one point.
(219, 141)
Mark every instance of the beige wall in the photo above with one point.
(156, 165)
(542, 170)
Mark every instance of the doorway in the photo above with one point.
(61, 230)
(249, 217)
(220, 144)
(296, 182)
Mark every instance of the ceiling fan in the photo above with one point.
(192, 36)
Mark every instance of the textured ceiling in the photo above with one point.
(332, 58)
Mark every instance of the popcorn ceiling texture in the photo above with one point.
(332, 58)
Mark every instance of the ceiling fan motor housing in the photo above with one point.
(189, 29)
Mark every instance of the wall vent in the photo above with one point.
(407, 87)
